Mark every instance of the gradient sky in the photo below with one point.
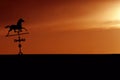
(62, 26)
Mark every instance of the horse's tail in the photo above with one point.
(7, 26)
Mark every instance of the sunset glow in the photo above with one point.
(116, 12)
(113, 14)
(62, 26)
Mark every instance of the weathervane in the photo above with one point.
(18, 30)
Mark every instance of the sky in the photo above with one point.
(62, 26)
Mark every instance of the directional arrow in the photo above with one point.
(19, 40)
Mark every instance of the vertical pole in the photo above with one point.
(19, 45)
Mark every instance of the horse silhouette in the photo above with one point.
(18, 27)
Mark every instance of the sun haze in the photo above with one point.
(62, 26)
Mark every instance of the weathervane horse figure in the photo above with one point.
(16, 27)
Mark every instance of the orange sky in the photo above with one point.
(62, 26)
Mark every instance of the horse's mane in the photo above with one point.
(20, 21)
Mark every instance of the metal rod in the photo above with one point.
(16, 34)
(19, 40)
(19, 45)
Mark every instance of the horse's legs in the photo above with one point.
(20, 30)
(24, 29)
(9, 32)
(14, 30)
